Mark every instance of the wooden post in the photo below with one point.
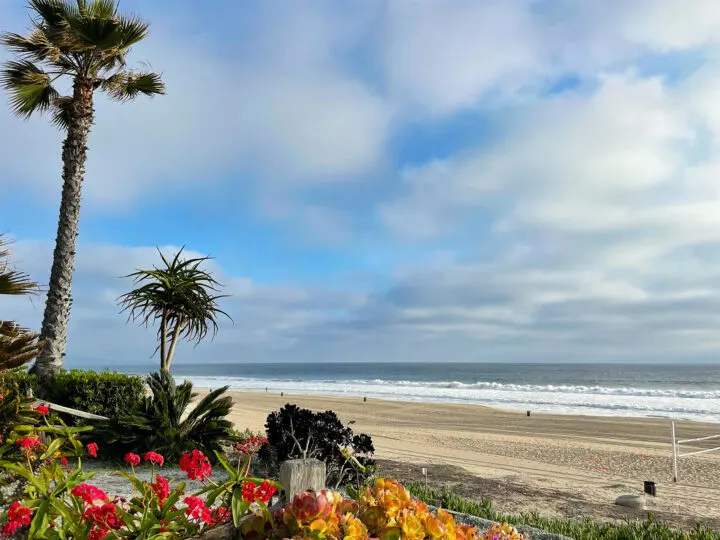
(301, 475)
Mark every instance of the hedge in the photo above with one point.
(105, 393)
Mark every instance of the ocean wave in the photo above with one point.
(592, 400)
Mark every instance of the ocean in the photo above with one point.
(663, 391)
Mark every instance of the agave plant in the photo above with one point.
(178, 295)
(166, 422)
(17, 345)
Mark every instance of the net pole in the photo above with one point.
(674, 452)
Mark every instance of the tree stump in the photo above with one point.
(301, 475)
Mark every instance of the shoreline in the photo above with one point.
(564, 461)
(712, 420)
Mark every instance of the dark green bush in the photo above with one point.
(293, 432)
(104, 393)
(166, 423)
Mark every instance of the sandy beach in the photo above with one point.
(554, 464)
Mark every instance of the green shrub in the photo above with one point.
(583, 529)
(15, 407)
(293, 433)
(105, 393)
(164, 422)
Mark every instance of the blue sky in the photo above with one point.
(467, 180)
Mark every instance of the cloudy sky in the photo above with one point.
(400, 180)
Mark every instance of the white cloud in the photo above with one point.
(289, 124)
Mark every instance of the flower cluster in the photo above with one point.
(132, 459)
(196, 465)
(258, 493)
(161, 488)
(197, 510)
(103, 518)
(28, 443)
(502, 532)
(42, 409)
(18, 516)
(154, 457)
(92, 449)
(385, 510)
(250, 446)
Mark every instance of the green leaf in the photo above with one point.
(39, 523)
(53, 447)
(224, 462)
(239, 506)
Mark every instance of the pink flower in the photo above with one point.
(132, 459)
(196, 465)
(154, 457)
(92, 449)
(42, 409)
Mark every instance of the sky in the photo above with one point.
(399, 180)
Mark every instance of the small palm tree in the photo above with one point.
(17, 345)
(165, 421)
(85, 42)
(180, 297)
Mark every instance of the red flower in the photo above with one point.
(132, 459)
(196, 509)
(89, 493)
(17, 517)
(92, 449)
(42, 409)
(264, 492)
(28, 443)
(154, 457)
(196, 465)
(161, 487)
(103, 518)
(248, 492)
(219, 515)
(251, 445)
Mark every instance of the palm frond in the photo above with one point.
(100, 9)
(61, 111)
(127, 85)
(34, 46)
(133, 30)
(18, 346)
(12, 282)
(52, 14)
(29, 86)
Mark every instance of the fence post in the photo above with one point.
(675, 456)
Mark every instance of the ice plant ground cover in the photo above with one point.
(54, 498)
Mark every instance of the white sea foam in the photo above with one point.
(703, 405)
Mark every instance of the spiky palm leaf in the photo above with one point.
(166, 423)
(180, 297)
(18, 346)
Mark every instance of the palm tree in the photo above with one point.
(17, 345)
(179, 296)
(86, 43)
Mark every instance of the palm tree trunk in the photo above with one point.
(176, 336)
(59, 298)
